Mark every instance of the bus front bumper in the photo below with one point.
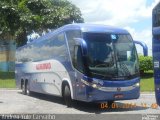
(96, 90)
(103, 96)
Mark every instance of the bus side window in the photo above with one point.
(71, 34)
(61, 47)
(78, 61)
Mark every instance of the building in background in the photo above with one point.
(7, 55)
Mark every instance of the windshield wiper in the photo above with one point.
(103, 76)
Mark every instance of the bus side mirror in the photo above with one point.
(82, 43)
(144, 46)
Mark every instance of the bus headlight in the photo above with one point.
(137, 84)
(94, 86)
(89, 84)
(85, 82)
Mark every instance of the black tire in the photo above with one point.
(67, 96)
(24, 90)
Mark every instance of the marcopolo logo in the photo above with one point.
(150, 117)
(118, 89)
(43, 66)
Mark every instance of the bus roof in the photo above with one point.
(95, 28)
(84, 28)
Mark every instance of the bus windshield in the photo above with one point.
(111, 56)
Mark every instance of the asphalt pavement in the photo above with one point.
(14, 102)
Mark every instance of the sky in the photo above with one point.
(132, 15)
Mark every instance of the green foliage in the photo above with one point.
(9, 16)
(145, 63)
(20, 17)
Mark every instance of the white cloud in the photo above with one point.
(114, 12)
(144, 36)
(119, 13)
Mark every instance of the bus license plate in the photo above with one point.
(117, 96)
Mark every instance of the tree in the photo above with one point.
(20, 17)
(9, 25)
(145, 63)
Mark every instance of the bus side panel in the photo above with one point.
(45, 65)
(48, 83)
(45, 76)
(157, 81)
(156, 61)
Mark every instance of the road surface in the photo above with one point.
(13, 102)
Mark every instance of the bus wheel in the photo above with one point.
(67, 96)
(24, 91)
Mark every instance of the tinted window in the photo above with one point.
(60, 48)
(71, 41)
(78, 62)
(111, 55)
(53, 47)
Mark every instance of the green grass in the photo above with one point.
(147, 82)
(7, 80)
(7, 83)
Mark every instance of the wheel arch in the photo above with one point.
(64, 82)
